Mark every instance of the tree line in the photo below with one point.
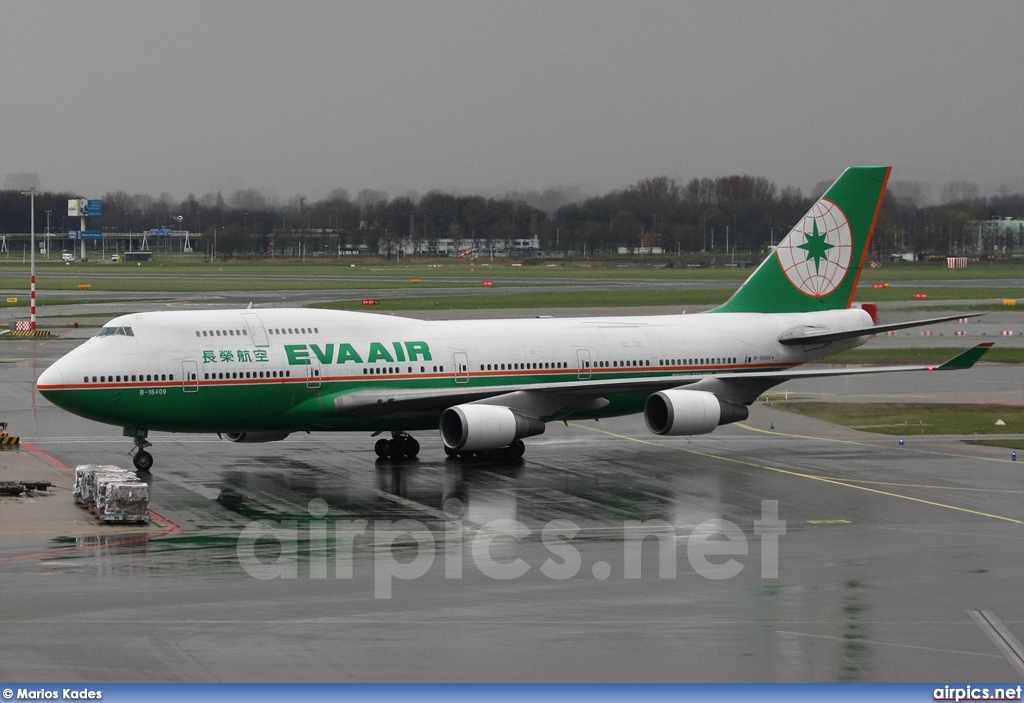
(738, 215)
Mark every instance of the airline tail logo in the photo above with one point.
(816, 253)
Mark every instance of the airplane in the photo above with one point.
(258, 375)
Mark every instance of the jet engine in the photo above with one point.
(251, 437)
(474, 427)
(682, 412)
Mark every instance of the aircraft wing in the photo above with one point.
(814, 335)
(553, 401)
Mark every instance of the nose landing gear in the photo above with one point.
(142, 460)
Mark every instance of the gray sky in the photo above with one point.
(304, 96)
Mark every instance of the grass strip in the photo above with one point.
(924, 355)
(540, 300)
(915, 418)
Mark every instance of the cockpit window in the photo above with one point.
(107, 331)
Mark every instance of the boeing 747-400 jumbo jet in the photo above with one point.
(258, 375)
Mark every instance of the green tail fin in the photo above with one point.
(818, 264)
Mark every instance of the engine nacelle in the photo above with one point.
(474, 427)
(252, 437)
(682, 412)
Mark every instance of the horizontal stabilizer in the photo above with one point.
(800, 336)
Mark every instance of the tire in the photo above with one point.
(396, 449)
(517, 449)
(143, 461)
(451, 453)
(381, 448)
(411, 447)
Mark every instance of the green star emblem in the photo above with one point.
(816, 246)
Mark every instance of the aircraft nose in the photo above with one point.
(50, 379)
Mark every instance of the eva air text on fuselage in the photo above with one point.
(343, 352)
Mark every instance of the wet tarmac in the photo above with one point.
(879, 560)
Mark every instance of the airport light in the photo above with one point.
(31, 193)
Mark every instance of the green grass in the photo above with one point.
(639, 267)
(923, 355)
(890, 295)
(938, 271)
(449, 268)
(214, 284)
(915, 418)
(23, 302)
(497, 300)
(957, 307)
(1017, 444)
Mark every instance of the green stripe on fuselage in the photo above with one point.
(220, 406)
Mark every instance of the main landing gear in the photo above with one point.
(400, 446)
(512, 451)
(142, 460)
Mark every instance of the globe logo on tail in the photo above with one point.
(816, 253)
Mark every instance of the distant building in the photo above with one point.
(455, 247)
(998, 236)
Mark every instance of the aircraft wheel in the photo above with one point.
(396, 449)
(410, 446)
(517, 449)
(143, 461)
(381, 448)
(451, 453)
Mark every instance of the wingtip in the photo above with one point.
(967, 359)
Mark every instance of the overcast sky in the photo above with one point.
(302, 96)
